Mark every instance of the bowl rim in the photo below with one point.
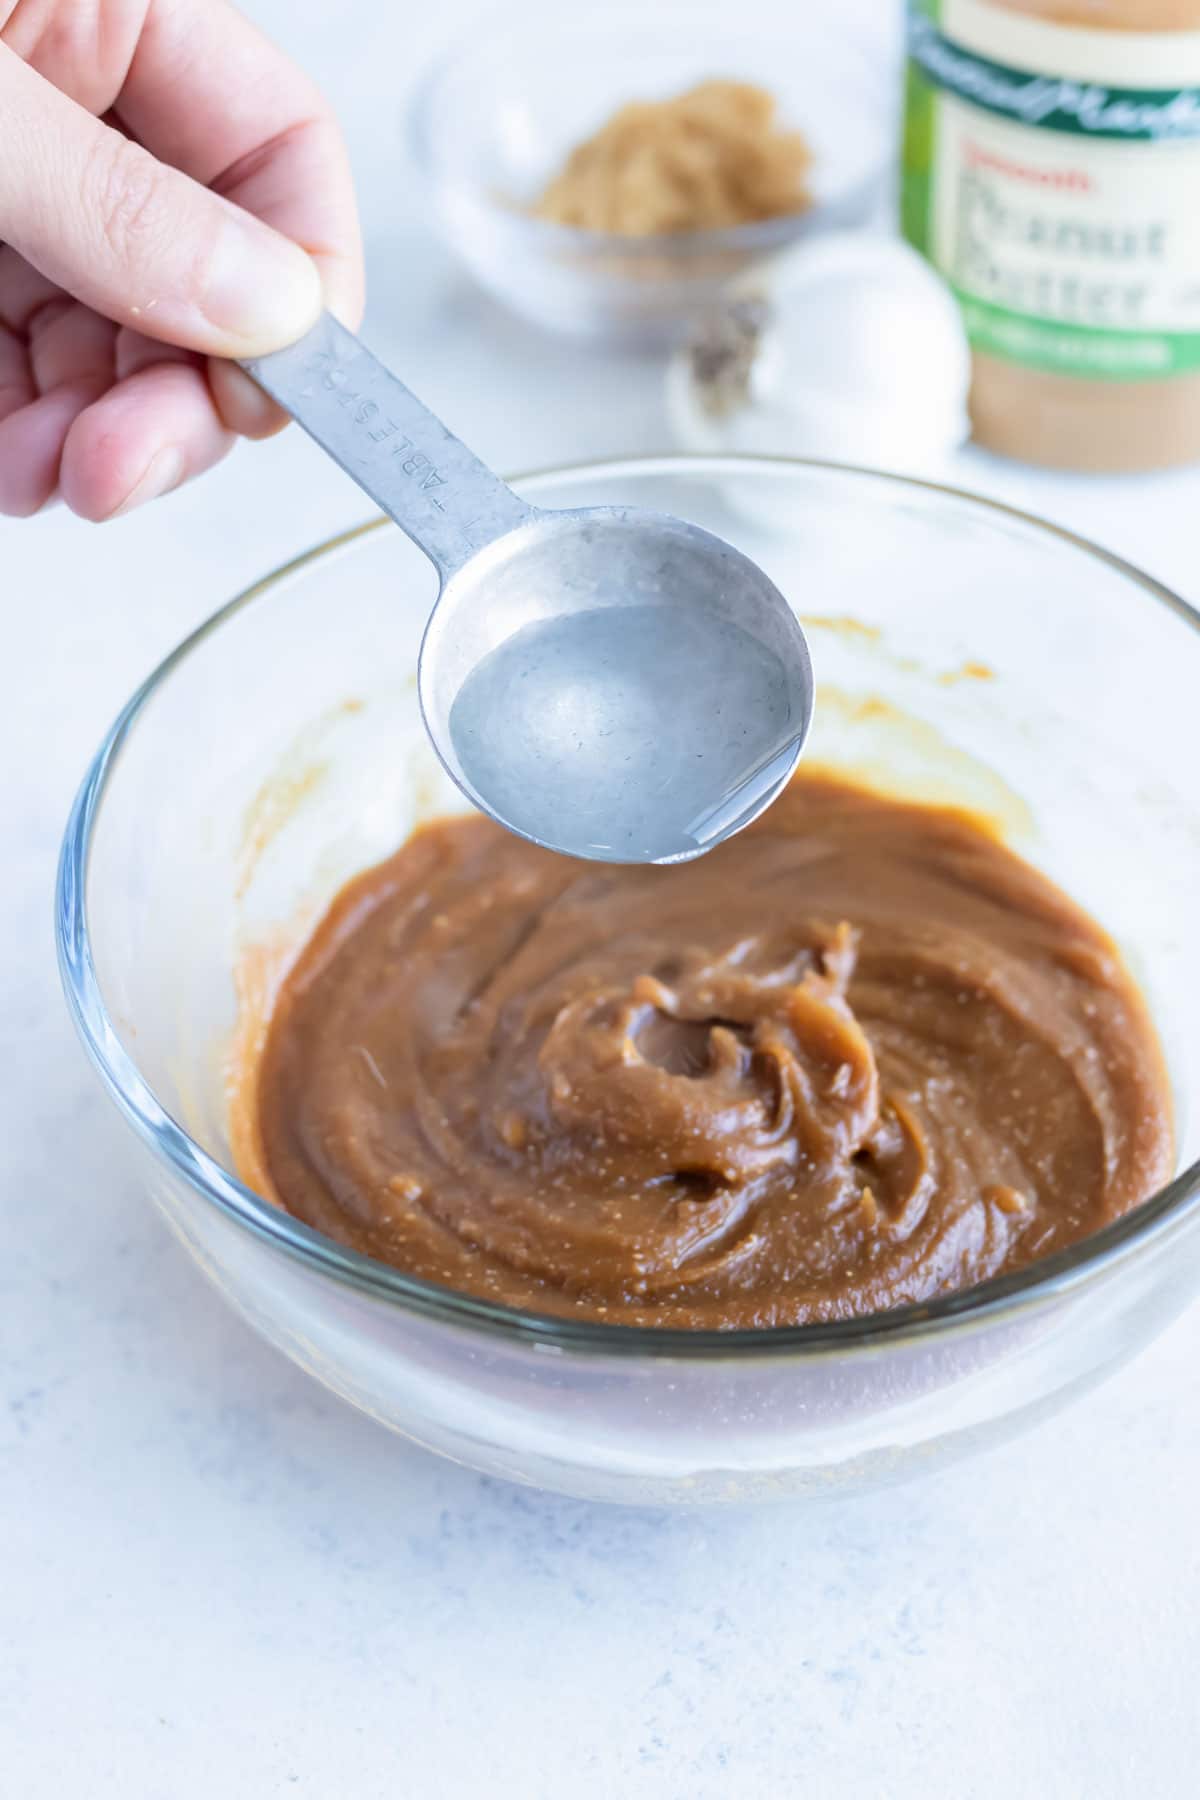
(1164, 1214)
(826, 211)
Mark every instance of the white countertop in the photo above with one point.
(217, 1580)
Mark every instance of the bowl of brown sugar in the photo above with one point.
(604, 171)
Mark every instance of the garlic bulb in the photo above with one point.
(850, 348)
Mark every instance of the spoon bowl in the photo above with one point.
(607, 682)
(616, 684)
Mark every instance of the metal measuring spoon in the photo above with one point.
(607, 681)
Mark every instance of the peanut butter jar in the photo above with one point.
(1051, 173)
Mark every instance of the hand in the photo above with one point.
(173, 192)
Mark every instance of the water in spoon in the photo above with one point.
(652, 729)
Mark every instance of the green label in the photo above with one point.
(920, 127)
(1159, 115)
(1077, 349)
(1064, 211)
(916, 165)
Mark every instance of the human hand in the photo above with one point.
(173, 192)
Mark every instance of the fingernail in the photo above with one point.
(261, 290)
(241, 404)
(163, 472)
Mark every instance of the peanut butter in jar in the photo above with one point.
(1051, 172)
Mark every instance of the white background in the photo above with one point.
(215, 1580)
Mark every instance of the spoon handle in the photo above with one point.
(448, 502)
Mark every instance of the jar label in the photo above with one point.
(1052, 174)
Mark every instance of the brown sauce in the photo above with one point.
(860, 1055)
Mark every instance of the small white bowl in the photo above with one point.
(495, 119)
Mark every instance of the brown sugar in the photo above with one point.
(710, 158)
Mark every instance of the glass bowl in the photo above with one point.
(964, 653)
(495, 119)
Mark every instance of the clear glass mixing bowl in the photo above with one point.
(963, 652)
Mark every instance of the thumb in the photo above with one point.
(137, 240)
